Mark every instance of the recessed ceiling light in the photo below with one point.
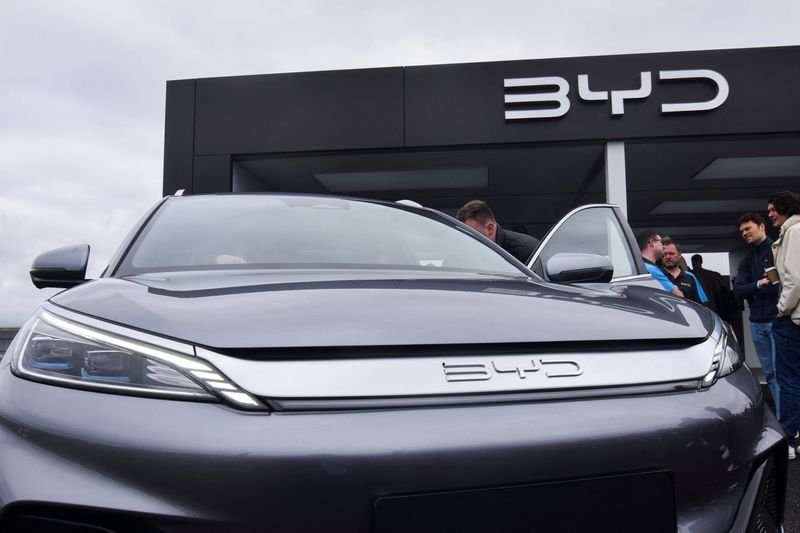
(785, 166)
(709, 206)
(446, 178)
(694, 230)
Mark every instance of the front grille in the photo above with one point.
(50, 518)
(767, 514)
(25, 523)
(625, 503)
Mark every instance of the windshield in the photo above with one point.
(264, 231)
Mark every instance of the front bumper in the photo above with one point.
(127, 462)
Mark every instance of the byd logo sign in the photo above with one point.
(560, 99)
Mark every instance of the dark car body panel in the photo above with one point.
(304, 472)
(254, 310)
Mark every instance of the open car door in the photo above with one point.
(591, 244)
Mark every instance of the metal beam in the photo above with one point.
(616, 188)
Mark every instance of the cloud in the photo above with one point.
(82, 97)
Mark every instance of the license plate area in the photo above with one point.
(624, 503)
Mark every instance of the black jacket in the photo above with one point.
(686, 284)
(763, 302)
(519, 245)
(720, 297)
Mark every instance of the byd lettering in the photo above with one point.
(559, 96)
(553, 368)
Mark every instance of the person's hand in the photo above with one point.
(763, 282)
(677, 292)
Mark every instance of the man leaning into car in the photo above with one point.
(477, 215)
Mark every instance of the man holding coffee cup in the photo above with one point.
(753, 285)
(784, 212)
(771, 273)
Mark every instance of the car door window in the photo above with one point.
(596, 229)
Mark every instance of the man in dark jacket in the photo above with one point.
(671, 266)
(761, 295)
(717, 289)
(477, 215)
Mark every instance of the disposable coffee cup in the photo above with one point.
(772, 275)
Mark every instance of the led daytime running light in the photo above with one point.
(203, 372)
(125, 344)
(716, 361)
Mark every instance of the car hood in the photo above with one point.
(291, 309)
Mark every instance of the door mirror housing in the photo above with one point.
(61, 268)
(594, 229)
(579, 268)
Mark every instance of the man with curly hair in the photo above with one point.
(784, 211)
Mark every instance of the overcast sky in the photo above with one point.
(82, 84)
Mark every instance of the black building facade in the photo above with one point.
(684, 141)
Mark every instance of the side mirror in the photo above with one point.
(579, 268)
(62, 268)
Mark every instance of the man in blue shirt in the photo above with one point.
(652, 250)
(761, 295)
(682, 278)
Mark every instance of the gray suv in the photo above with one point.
(311, 363)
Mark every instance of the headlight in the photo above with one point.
(726, 359)
(65, 352)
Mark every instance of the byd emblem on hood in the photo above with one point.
(550, 368)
